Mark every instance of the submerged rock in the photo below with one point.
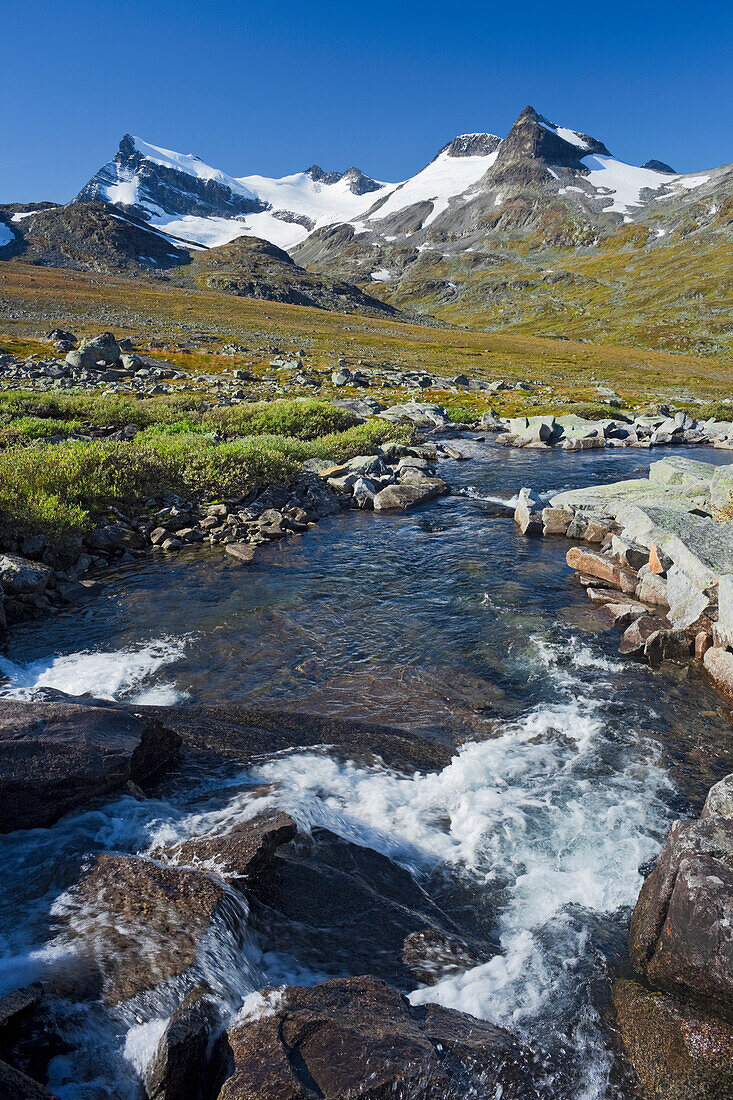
(359, 1037)
(142, 924)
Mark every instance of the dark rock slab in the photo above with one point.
(681, 934)
(677, 1052)
(352, 1037)
(181, 1067)
(343, 908)
(55, 756)
(244, 851)
(240, 732)
(15, 1085)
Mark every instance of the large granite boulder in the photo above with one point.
(22, 577)
(352, 1037)
(56, 756)
(677, 1052)
(681, 934)
(398, 497)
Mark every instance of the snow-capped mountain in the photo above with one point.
(193, 202)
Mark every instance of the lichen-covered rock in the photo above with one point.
(676, 1051)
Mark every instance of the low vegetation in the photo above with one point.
(63, 488)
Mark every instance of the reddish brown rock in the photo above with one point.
(141, 923)
(603, 566)
(359, 1037)
(681, 932)
(676, 1051)
(634, 637)
(719, 667)
(245, 850)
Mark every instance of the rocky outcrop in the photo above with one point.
(57, 756)
(360, 1037)
(663, 541)
(677, 1028)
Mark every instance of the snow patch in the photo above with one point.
(443, 179)
(381, 276)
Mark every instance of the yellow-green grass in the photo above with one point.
(33, 300)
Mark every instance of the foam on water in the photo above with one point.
(117, 674)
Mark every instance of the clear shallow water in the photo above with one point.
(572, 761)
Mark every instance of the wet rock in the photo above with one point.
(142, 924)
(17, 1086)
(244, 851)
(676, 1051)
(181, 1068)
(667, 645)
(242, 552)
(635, 636)
(56, 756)
(360, 1037)
(367, 906)
(429, 955)
(681, 933)
(21, 577)
(243, 733)
(398, 497)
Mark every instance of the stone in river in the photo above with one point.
(719, 802)
(667, 645)
(182, 1066)
(398, 497)
(140, 923)
(359, 1037)
(635, 636)
(56, 756)
(555, 521)
(244, 851)
(242, 552)
(528, 512)
(677, 1051)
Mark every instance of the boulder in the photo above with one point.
(352, 1037)
(687, 602)
(141, 924)
(367, 906)
(56, 756)
(724, 624)
(681, 932)
(397, 497)
(21, 577)
(652, 589)
(667, 645)
(242, 552)
(555, 521)
(242, 852)
(719, 667)
(528, 512)
(181, 1067)
(635, 636)
(17, 1086)
(719, 802)
(103, 348)
(676, 1051)
(603, 566)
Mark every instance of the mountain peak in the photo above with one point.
(534, 137)
(659, 166)
(357, 182)
(471, 145)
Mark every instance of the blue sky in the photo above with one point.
(274, 87)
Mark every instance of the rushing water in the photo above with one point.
(571, 762)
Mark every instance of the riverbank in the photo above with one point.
(661, 567)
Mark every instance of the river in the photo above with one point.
(571, 762)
